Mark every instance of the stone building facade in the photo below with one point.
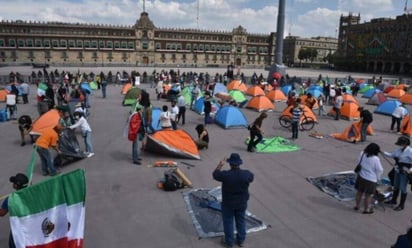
(383, 45)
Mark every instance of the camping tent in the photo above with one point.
(255, 91)
(238, 96)
(199, 106)
(396, 93)
(219, 88)
(349, 98)
(406, 99)
(377, 98)
(369, 93)
(406, 126)
(303, 99)
(3, 94)
(260, 103)
(348, 111)
(308, 112)
(276, 96)
(237, 85)
(86, 88)
(93, 85)
(387, 107)
(285, 89)
(131, 96)
(175, 143)
(126, 88)
(352, 133)
(315, 90)
(48, 120)
(230, 117)
(366, 88)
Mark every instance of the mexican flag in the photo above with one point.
(50, 214)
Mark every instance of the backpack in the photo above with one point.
(172, 181)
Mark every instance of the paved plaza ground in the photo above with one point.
(125, 209)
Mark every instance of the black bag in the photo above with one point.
(358, 167)
(172, 181)
(391, 176)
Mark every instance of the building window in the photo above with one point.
(29, 43)
(79, 44)
(109, 44)
(71, 43)
(55, 43)
(188, 47)
(124, 44)
(213, 48)
(86, 44)
(145, 45)
(94, 44)
(63, 43)
(158, 46)
(201, 47)
(194, 47)
(130, 45)
(116, 44)
(239, 49)
(21, 43)
(101, 44)
(2, 43)
(179, 46)
(46, 43)
(207, 47)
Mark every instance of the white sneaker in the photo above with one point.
(90, 155)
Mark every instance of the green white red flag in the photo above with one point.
(50, 214)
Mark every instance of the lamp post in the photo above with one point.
(278, 66)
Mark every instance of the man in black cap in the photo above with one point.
(235, 195)
(19, 181)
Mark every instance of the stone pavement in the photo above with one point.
(125, 209)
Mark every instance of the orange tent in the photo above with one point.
(3, 94)
(407, 99)
(349, 98)
(388, 88)
(352, 133)
(260, 103)
(48, 120)
(255, 91)
(306, 109)
(348, 111)
(396, 93)
(236, 85)
(401, 86)
(126, 88)
(276, 96)
(177, 143)
(406, 127)
(303, 99)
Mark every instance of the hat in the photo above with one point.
(234, 159)
(403, 141)
(19, 179)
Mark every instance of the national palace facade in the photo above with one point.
(383, 45)
(143, 44)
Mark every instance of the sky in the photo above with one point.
(304, 18)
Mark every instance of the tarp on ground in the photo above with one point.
(175, 143)
(260, 103)
(204, 207)
(377, 98)
(387, 107)
(352, 132)
(230, 117)
(340, 185)
(48, 120)
(274, 145)
(69, 147)
(131, 96)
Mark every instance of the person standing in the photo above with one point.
(397, 115)
(194, 94)
(321, 103)
(235, 196)
(369, 175)
(365, 119)
(174, 112)
(207, 108)
(256, 131)
(19, 181)
(164, 120)
(144, 101)
(403, 167)
(48, 139)
(103, 85)
(85, 130)
(25, 90)
(11, 105)
(296, 112)
(181, 103)
(135, 127)
(338, 104)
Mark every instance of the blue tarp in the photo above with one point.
(230, 117)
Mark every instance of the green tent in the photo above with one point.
(131, 96)
(187, 93)
(93, 85)
(237, 95)
(366, 88)
(275, 144)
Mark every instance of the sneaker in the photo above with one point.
(91, 154)
(56, 173)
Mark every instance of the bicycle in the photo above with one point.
(306, 122)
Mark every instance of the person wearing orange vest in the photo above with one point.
(48, 139)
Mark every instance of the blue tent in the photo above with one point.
(156, 119)
(387, 107)
(369, 93)
(200, 105)
(86, 87)
(315, 91)
(219, 88)
(285, 89)
(230, 117)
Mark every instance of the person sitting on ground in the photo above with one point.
(25, 125)
(203, 137)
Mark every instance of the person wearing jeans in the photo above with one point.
(47, 139)
(85, 130)
(235, 195)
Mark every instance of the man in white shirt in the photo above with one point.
(174, 112)
(11, 105)
(25, 90)
(397, 116)
(165, 121)
(181, 103)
